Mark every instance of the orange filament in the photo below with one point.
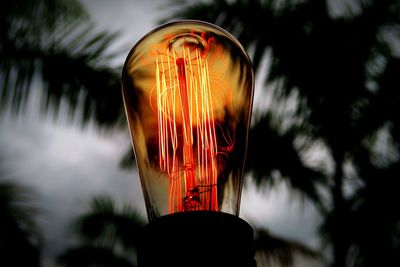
(186, 130)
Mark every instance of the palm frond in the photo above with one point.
(39, 15)
(272, 249)
(72, 62)
(128, 159)
(369, 223)
(105, 224)
(20, 237)
(278, 153)
(107, 235)
(15, 203)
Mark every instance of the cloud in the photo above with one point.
(66, 167)
(279, 212)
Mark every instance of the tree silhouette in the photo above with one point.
(49, 46)
(20, 238)
(108, 236)
(53, 41)
(345, 69)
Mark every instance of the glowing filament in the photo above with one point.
(186, 130)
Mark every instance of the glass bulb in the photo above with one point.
(188, 93)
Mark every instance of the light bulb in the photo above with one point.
(188, 93)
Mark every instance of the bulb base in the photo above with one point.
(198, 238)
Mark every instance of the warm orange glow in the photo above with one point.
(186, 130)
(188, 90)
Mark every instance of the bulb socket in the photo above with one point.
(198, 238)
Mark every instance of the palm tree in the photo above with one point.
(107, 236)
(344, 69)
(52, 41)
(20, 238)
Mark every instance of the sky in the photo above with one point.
(66, 165)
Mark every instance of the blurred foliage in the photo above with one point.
(20, 238)
(49, 45)
(272, 250)
(107, 236)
